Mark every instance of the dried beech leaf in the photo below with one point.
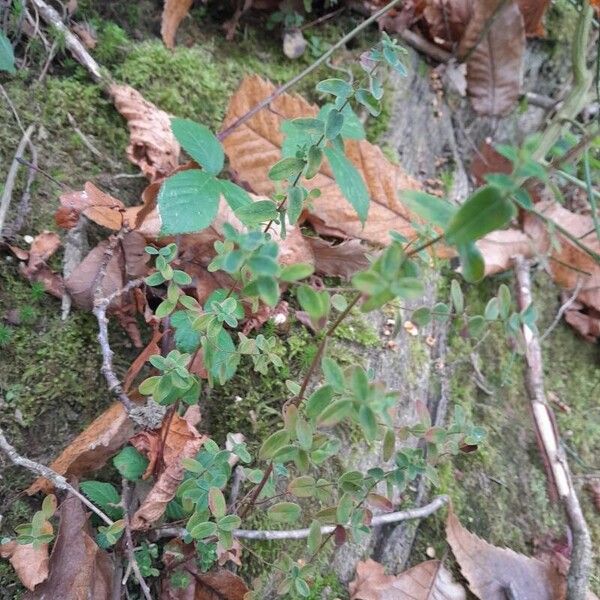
(568, 255)
(499, 247)
(220, 585)
(152, 145)
(95, 204)
(142, 358)
(182, 441)
(255, 146)
(79, 569)
(338, 260)
(587, 324)
(29, 563)
(492, 572)
(42, 248)
(495, 43)
(91, 448)
(533, 12)
(174, 12)
(427, 581)
(448, 19)
(128, 261)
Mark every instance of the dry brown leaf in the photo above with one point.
(152, 145)
(499, 247)
(142, 358)
(29, 563)
(493, 572)
(79, 569)
(91, 448)
(427, 581)
(496, 50)
(182, 441)
(220, 585)
(255, 146)
(587, 324)
(93, 203)
(533, 12)
(42, 248)
(448, 19)
(569, 257)
(128, 261)
(338, 260)
(174, 12)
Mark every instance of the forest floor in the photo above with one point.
(50, 383)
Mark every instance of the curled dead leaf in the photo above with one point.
(427, 581)
(91, 448)
(152, 145)
(29, 563)
(492, 571)
(181, 440)
(338, 260)
(94, 204)
(128, 261)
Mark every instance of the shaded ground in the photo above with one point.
(50, 386)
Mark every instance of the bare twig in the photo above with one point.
(292, 82)
(298, 534)
(49, 59)
(59, 481)
(77, 49)
(12, 175)
(129, 547)
(100, 307)
(562, 310)
(548, 436)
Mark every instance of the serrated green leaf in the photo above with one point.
(188, 202)
(314, 537)
(257, 212)
(203, 530)
(216, 502)
(296, 272)
(130, 463)
(314, 158)
(200, 143)
(187, 339)
(103, 495)
(334, 413)
(333, 373)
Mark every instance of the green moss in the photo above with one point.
(356, 329)
(500, 492)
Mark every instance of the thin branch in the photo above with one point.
(298, 534)
(129, 547)
(552, 451)
(77, 49)
(59, 481)
(89, 144)
(292, 82)
(12, 175)
(100, 307)
(562, 310)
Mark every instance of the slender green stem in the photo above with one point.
(590, 191)
(292, 82)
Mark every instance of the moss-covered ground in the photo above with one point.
(50, 386)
